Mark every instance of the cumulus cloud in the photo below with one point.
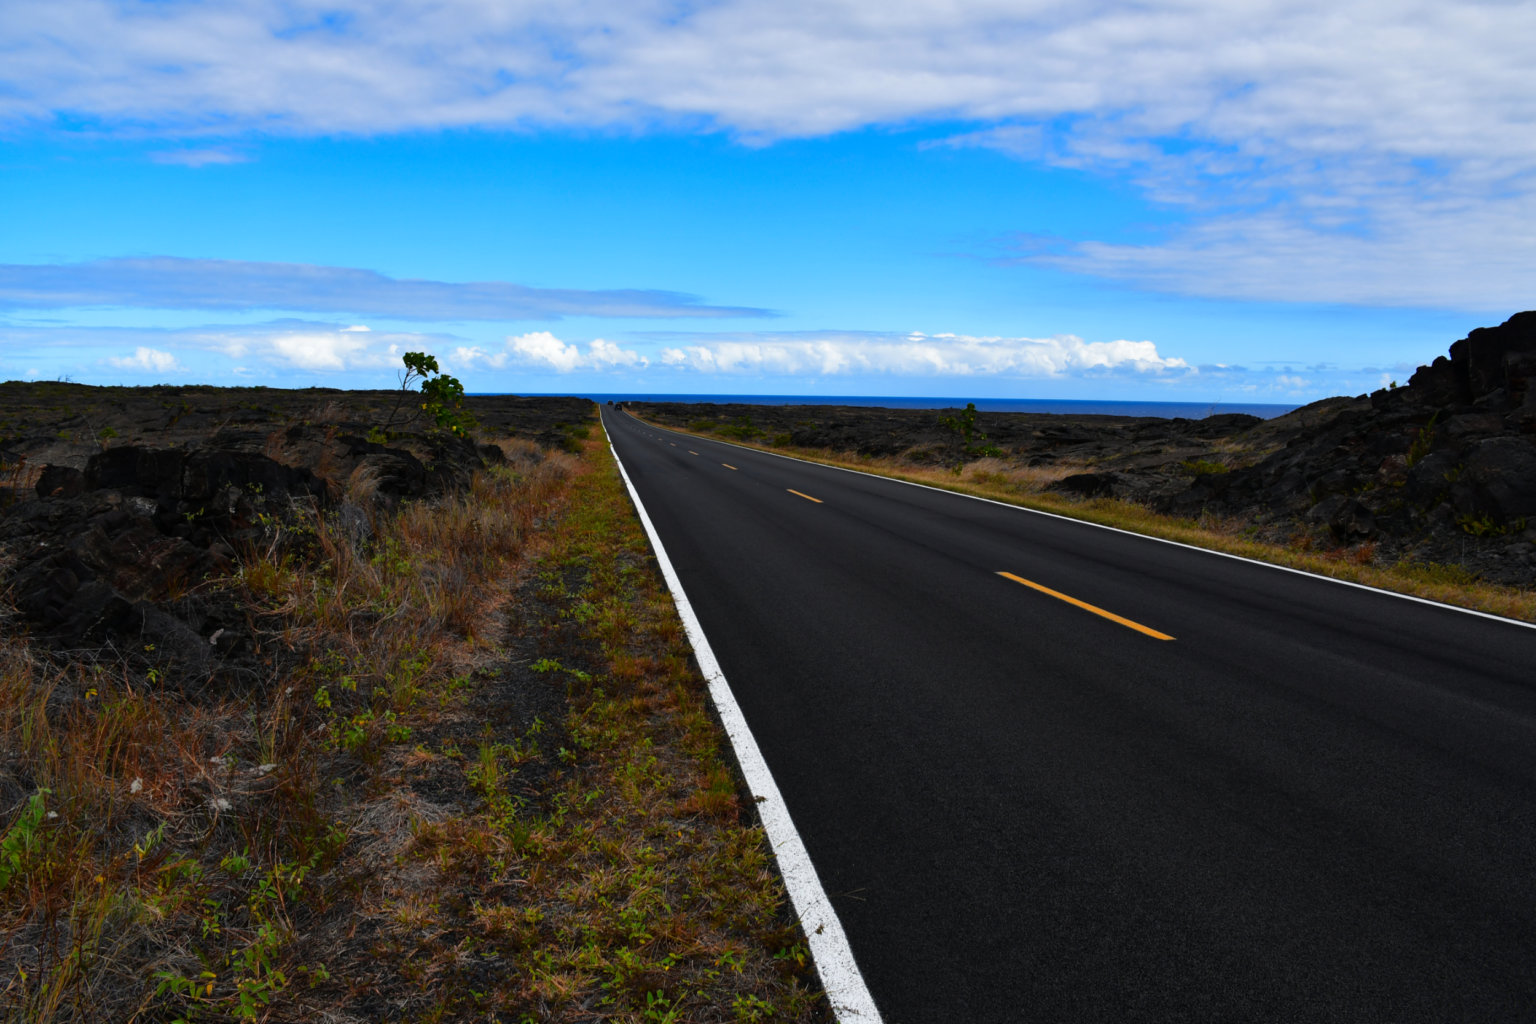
(822, 354)
(606, 354)
(1379, 120)
(327, 350)
(920, 355)
(543, 350)
(149, 360)
(167, 282)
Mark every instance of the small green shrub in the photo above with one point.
(964, 425)
(742, 430)
(1423, 441)
(1481, 525)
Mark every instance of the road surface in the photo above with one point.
(1053, 772)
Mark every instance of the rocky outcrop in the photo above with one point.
(1443, 469)
(120, 559)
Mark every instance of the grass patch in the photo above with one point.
(1202, 467)
(1025, 486)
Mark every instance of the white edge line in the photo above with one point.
(1133, 533)
(840, 976)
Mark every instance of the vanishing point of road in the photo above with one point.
(1053, 772)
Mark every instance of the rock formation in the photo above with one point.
(1443, 469)
(115, 551)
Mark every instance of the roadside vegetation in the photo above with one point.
(478, 781)
(992, 476)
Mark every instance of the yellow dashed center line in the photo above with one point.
(1085, 606)
(727, 465)
(807, 497)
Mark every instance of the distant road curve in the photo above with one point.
(1048, 771)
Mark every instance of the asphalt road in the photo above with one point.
(1313, 803)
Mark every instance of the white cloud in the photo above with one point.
(294, 353)
(1372, 122)
(543, 349)
(282, 352)
(327, 350)
(918, 355)
(1473, 258)
(607, 354)
(147, 359)
(279, 345)
(468, 356)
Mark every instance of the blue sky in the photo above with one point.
(1186, 201)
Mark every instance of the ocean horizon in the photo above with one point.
(1079, 407)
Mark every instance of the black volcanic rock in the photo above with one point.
(144, 500)
(1443, 469)
(1491, 358)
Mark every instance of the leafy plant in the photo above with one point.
(21, 838)
(965, 426)
(442, 395)
(1480, 525)
(1423, 441)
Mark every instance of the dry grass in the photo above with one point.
(375, 831)
(18, 478)
(1025, 486)
(629, 888)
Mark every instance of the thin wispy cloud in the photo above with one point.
(166, 282)
(198, 157)
(1470, 258)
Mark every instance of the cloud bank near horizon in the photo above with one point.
(1365, 151)
(350, 348)
(826, 354)
(289, 352)
(169, 282)
(213, 353)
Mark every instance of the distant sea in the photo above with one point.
(1089, 407)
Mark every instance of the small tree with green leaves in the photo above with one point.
(964, 425)
(442, 396)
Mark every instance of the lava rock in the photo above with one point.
(1499, 475)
